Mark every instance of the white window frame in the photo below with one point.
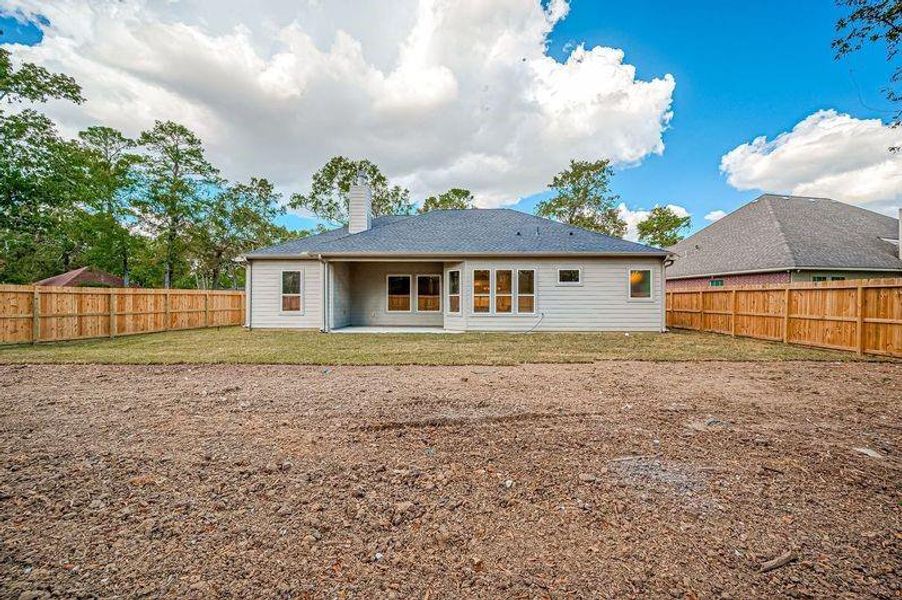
(569, 283)
(535, 284)
(459, 294)
(651, 284)
(512, 295)
(417, 295)
(300, 293)
(412, 293)
(491, 293)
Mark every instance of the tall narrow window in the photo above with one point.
(640, 283)
(526, 291)
(454, 291)
(429, 297)
(291, 291)
(504, 286)
(482, 291)
(399, 293)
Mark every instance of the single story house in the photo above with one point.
(83, 277)
(455, 270)
(782, 239)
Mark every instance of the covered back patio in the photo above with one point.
(377, 296)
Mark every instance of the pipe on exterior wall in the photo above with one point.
(325, 292)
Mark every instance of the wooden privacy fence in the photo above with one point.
(51, 314)
(863, 316)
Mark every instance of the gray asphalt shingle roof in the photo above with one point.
(460, 232)
(788, 232)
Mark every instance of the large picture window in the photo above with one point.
(526, 291)
(640, 284)
(398, 293)
(504, 289)
(482, 291)
(429, 295)
(454, 291)
(292, 296)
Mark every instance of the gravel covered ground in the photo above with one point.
(603, 480)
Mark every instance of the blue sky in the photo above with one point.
(742, 70)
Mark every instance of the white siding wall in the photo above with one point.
(600, 303)
(265, 300)
(341, 294)
(369, 288)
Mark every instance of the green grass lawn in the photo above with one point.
(237, 345)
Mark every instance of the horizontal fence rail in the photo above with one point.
(52, 314)
(863, 316)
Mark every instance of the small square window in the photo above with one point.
(569, 276)
(398, 293)
(640, 283)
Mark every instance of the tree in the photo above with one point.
(584, 198)
(662, 227)
(31, 83)
(109, 165)
(239, 219)
(453, 199)
(39, 179)
(176, 185)
(869, 22)
(328, 197)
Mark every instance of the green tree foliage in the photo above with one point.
(453, 199)
(176, 183)
(584, 198)
(328, 197)
(239, 219)
(31, 83)
(663, 227)
(39, 178)
(869, 22)
(109, 162)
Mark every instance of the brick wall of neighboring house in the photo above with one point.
(695, 283)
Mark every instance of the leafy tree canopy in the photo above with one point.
(453, 199)
(584, 198)
(31, 83)
(663, 227)
(328, 197)
(872, 21)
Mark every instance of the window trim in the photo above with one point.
(495, 294)
(300, 294)
(569, 283)
(411, 294)
(491, 293)
(459, 294)
(651, 284)
(535, 283)
(417, 295)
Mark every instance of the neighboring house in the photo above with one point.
(781, 239)
(457, 270)
(83, 277)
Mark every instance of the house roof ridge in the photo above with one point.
(793, 259)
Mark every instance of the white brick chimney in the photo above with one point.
(360, 205)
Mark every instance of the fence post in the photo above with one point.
(166, 325)
(206, 309)
(701, 308)
(733, 314)
(35, 316)
(112, 312)
(786, 315)
(859, 330)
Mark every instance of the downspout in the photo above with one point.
(250, 295)
(325, 293)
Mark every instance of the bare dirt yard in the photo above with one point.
(612, 479)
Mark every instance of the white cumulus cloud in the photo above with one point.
(439, 93)
(828, 154)
(715, 215)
